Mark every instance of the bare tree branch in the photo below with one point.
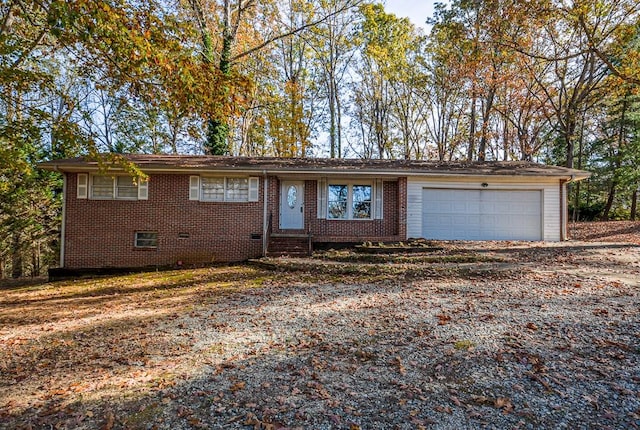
(602, 57)
(295, 30)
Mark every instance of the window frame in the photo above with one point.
(370, 201)
(349, 202)
(92, 188)
(201, 192)
(141, 188)
(120, 187)
(249, 189)
(136, 239)
(346, 201)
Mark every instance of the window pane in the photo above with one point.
(337, 201)
(212, 189)
(146, 239)
(361, 201)
(102, 187)
(125, 188)
(238, 189)
(292, 196)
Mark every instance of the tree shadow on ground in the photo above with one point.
(305, 354)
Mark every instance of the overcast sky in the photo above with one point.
(416, 10)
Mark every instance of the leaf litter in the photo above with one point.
(513, 335)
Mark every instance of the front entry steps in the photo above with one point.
(293, 245)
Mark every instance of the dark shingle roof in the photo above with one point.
(203, 163)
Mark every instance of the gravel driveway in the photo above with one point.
(481, 335)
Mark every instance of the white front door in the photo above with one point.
(292, 205)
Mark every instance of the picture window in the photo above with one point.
(349, 201)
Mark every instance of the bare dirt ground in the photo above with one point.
(471, 335)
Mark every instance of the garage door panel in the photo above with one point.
(482, 214)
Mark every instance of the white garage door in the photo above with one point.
(449, 214)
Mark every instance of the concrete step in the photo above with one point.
(288, 245)
(287, 254)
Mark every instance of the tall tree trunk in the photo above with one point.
(333, 144)
(617, 161)
(16, 257)
(217, 128)
(482, 148)
(569, 133)
(576, 200)
(338, 125)
(575, 216)
(35, 261)
(505, 140)
(472, 129)
(609, 204)
(634, 204)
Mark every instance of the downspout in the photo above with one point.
(563, 208)
(265, 218)
(64, 216)
(563, 222)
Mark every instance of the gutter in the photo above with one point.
(265, 218)
(324, 173)
(316, 173)
(564, 208)
(63, 227)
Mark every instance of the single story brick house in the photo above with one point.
(203, 209)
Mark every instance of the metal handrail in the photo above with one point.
(269, 230)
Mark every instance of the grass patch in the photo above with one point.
(464, 345)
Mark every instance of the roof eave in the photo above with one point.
(361, 168)
(572, 176)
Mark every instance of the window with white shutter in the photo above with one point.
(379, 192)
(119, 187)
(194, 187)
(254, 193)
(322, 198)
(349, 200)
(83, 186)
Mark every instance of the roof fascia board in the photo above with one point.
(489, 177)
(573, 176)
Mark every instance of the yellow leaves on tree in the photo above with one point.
(289, 122)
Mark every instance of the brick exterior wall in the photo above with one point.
(101, 233)
(391, 227)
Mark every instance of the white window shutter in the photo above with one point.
(377, 206)
(322, 198)
(254, 183)
(83, 185)
(194, 187)
(143, 190)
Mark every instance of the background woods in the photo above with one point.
(553, 81)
